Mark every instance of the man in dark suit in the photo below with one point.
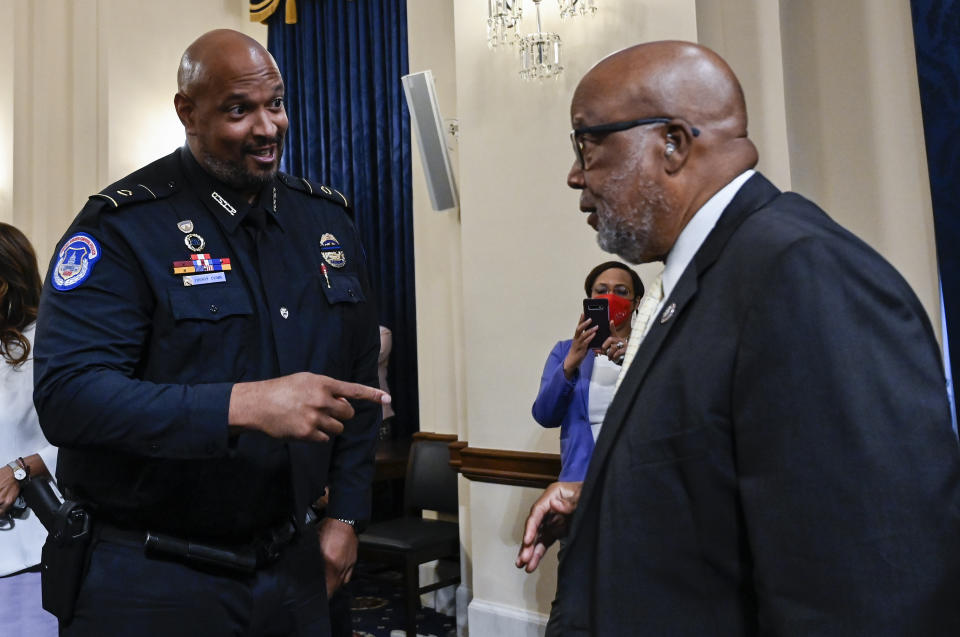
(779, 458)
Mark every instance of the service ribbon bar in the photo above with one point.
(201, 265)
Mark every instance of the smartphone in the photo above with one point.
(598, 311)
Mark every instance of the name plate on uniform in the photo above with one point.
(202, 279)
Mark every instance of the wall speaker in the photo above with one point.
(428, 127)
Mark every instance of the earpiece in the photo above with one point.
(671, 148)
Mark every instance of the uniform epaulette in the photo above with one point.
(315, 189)
(147, 184)
(125, 193)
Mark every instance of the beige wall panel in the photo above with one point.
(437, 235)
(855, 128)
(747, 34)
(437, 257)
(43, 149)
(500, 511)
(7, 71)
(87, 109)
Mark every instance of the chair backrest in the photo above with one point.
(431, 482)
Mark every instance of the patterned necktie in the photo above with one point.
(640, 324)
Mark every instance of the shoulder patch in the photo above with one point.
(75, 261)
(315, 189)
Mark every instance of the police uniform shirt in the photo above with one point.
(139, 351)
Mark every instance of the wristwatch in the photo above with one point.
(21, 470)
(359, 526)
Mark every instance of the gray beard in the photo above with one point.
(628, 235)
(235, 176)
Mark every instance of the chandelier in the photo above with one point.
(539, 51)
(573, 8)
(503, 18)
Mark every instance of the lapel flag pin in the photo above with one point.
(668, 313)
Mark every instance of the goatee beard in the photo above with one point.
(236, 175)
(628, 234)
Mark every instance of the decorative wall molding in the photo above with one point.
(429, 435)
(501, 466)
(490, 618)
(455, 448)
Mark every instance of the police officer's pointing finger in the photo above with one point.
(358, 391)
(302, 406)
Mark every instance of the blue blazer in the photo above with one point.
(564, 402)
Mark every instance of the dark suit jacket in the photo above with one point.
(779, 459)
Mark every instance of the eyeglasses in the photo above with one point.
(615, 127)
(619, 290)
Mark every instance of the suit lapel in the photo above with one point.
(754, 194)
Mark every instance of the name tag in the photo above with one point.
(203, 279)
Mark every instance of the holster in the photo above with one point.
(64, 559)
(64, 555)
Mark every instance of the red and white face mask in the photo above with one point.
(620, 308)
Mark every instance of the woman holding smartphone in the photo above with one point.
(578, 382)
(23, 449)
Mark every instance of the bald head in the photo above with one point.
(660, 128)
(678, 79)
(230, 100)
(215, 54)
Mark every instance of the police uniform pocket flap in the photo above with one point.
(201, 303)
(343, 287)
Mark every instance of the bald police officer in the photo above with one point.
(206, 360)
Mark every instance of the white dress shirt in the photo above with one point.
(20, 436)
(695, 233)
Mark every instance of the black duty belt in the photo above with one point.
(241, 558)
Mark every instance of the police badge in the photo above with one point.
(331, 251)
(75, 261)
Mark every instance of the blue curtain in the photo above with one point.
(349, 128)
(936, 33)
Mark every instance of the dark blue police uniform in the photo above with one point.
(167, 289)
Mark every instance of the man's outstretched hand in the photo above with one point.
(301, 406)
(547, 522)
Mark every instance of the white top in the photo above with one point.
(20, 436)
(695, 233)
(603, 385)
